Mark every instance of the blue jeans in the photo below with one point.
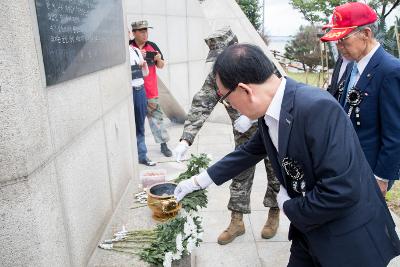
(140, 107)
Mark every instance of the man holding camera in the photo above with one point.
(154, 58)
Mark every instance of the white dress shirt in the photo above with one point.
(362, 64)
(271, 117)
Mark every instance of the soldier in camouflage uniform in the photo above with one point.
(202, 105)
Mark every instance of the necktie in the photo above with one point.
(350, 84)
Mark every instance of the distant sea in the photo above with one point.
(278, 43)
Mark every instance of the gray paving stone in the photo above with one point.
(258, 219)
(257, 198)
(243, 254)
(218, 198)
(214, 222)
(215, 139)
(273, 254)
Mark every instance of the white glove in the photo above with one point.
(282, 197)
(201, 181)
(185, 187)
(180, 150)
(242, 124)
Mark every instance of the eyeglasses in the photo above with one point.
(342, 40)
(222, 99)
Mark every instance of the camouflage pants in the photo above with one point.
(241, 188)
(156, 121)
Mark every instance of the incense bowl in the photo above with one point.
(161, 200)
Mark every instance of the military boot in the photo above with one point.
(235, 228)
(165, 150)
(271, 226)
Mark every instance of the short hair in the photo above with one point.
(373, 27)
(242, 63)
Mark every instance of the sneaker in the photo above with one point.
(147, 162)
(165, 150)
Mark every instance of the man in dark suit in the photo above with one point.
(371, 95)
(339, 75)
(328, 191)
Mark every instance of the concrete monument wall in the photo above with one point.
(67, 151)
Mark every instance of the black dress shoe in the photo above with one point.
(165, 150)
(147, 162)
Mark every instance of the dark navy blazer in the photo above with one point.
(379, 129)
(342, 214)
(333, 88)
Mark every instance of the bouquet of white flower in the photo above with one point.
(174, 238)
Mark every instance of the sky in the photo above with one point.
(281, 19)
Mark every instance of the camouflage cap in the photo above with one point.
(141, 24)
(218, 41)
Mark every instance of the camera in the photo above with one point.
(150, 55)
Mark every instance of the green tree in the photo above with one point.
(305, 48)
(317, 11)
(390, 42)
(383, 8)
(252, 9)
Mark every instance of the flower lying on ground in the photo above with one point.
(174, 238)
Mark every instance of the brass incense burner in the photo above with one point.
(161, 200)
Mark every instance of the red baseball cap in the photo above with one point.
(347, 18)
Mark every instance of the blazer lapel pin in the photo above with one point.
(295, 174)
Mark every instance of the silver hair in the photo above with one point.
(372, 26)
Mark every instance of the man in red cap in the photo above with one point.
(371, 93)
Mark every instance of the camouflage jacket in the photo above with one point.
(203, 104)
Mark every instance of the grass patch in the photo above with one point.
(309, 78)
(393, 198)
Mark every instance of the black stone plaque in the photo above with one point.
(80, 36)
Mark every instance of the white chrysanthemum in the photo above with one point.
(190, 221)
(106, 246)
(200, 235)
(191, 244)
(121, 234)
(183, 213)
(193, 213)
(187, 229)
(179, 245)
(167, 259)
(209, 156)
(177, 255)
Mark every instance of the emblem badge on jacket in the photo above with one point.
(295, 174)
